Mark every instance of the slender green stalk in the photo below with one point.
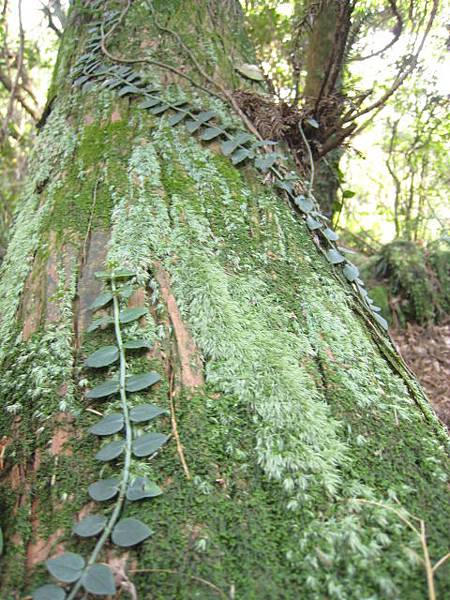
(128, 444)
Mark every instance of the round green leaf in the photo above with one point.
(103, 357)
(141, 487)
(91, 525)
(66, 567)
(129, 532)
(117, 274)
(105, 389)
(335, 257)
(210, 133)
(148, 443)
(146, 412)
(98, 579)
(312, 223)
(306, 205)
(110, 451)
(136, 344)
(177, 117)
(131, 314)
(240, 155)
(250, 71)
(135, 383)
(49, 592)
(110, 424)
(381, 320)
(350, 272)
(104, 489)
(331, 235)
(101, 301)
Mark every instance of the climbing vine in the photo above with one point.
(71, 568)
(239, 145)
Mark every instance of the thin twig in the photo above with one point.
(310, 156)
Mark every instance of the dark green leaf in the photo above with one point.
(110, 451)
(102, 357)
(350, 272)
(129, 532)
(375, 308)
(206, 116)
(381, 320)
(79, 82)
(101, 301)
(306, 205)
(176, 118)
(150, 102)
(239, 155)
(312, 122)
(136, 344)
(158, 110)
(331, 235)
(122, 274)
(110, 424)
(98, 579)
(313, 223)
(264, 163)
(103, 489)
(146, 412)
(239, 139)
(193, 125)
(348, 194)
(131, 314)
(210, 133)
(126, 291)
(91, 525)
(135, 383)
(99, 323)
(334, 257)
(142, 488)
(250, 71)
(129, 89)
(105, 389)
(66, 567)
(285, 184)
(49, 592)
(148, 443)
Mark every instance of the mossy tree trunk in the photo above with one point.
(304, 437)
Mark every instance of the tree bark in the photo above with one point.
(304, 438)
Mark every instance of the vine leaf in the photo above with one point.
(135, 344)
(285, 184)
(263, 163)
(103, 357)
(381, 320)
(129, 89)
(158, 110)
(250, 71)
(239, 139)
(117, 274)
(131, 314)
(350, 272)
(97, 323)
(91, 525)
(141, 488)
(148, 444)
(312, 223)
(112, 423)
(177, 118)
(98, 579)
(331, 235)
(100, 301)
(129, 532)
(313, 123)
(105, 389)
(306, 205)
(150, 102)
(240, 155)
(103, 489)
(67, 567)
(210, 133)
(110, 451)
(135, 383)
(49, 592)
(334, 257)
(146, 412)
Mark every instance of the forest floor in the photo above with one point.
(427, 352)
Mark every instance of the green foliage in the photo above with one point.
(71, 568)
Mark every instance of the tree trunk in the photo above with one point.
(298, 438)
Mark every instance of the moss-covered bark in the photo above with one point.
(304, 443)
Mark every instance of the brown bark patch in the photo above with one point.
(62, 434)
(191, 367)
(65, 256)
(39, 550)
(116, 116)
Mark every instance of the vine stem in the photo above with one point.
(128, 443)
(310, 156)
